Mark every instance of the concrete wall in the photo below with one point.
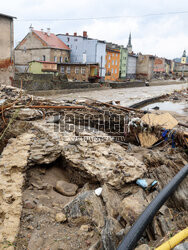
(6, 50)
(94, 50)
(131, 66)
(37, 82)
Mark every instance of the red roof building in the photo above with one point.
(41, 46)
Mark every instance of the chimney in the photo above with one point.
(48, 31)
(42, 30)
(31, 28)
(85, 34)
(67, 34)
(75, 33)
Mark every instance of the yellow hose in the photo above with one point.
(174, 241)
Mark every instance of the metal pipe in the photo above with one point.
(130, 240)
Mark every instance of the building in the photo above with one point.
(40, 46)
(82, 72)
(145, 67)
(86, 50)
(42, 67)
(123, 62)
(129, 45)
(184, 57)
(6, 49)
(131, 66)
(112, 62)
(181, 69)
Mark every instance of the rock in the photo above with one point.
(95, 246)
(85, 208)
(85, 228)
(183, 246)
(29, 204)
(132, 206)
(143, 247)
(28, 114)
(35, 242)
(66, 188)
(43, 150)
(112, 201)
(106, 168)
(60, 217)
(108, 234)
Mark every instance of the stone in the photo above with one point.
(106, 168)
(183, 246)
(143, 247)
(132, 206)
(112, 201)
(60, 217)
(85, 228)
(66, 188)
(27, 114)
(109, 232)
(86, 208)
(29, 204)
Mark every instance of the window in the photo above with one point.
(66, 59)
(116, 55)
(75, 40)
(68, 69)
(116, 62)
(44, 58)
(112, 62)
(76, 70)
(83, 71)
(55, 58)
(113, 54)
(109, 57)
(60, 59)
(68, 39)
(62, 70)
(115, 71)
(109, 65)
(112, 71)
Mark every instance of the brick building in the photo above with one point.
(40, 46)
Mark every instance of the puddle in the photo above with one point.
(168, 106)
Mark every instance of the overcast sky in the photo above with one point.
(164, 35)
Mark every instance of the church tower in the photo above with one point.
(184, 58)
(129, 45)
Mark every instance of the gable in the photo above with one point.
(31, 41)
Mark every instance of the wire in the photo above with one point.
(98, 18)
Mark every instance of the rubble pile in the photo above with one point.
(67, 187)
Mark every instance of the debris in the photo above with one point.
(147, 139)
(85, 208)
(98, 191)
(146, 183)
(84, 228)
(165, 120)
(60, 217)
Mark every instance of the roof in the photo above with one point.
(43, 62)
(7, 16)
(52, 40)
(78, 64)
(88, 38)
